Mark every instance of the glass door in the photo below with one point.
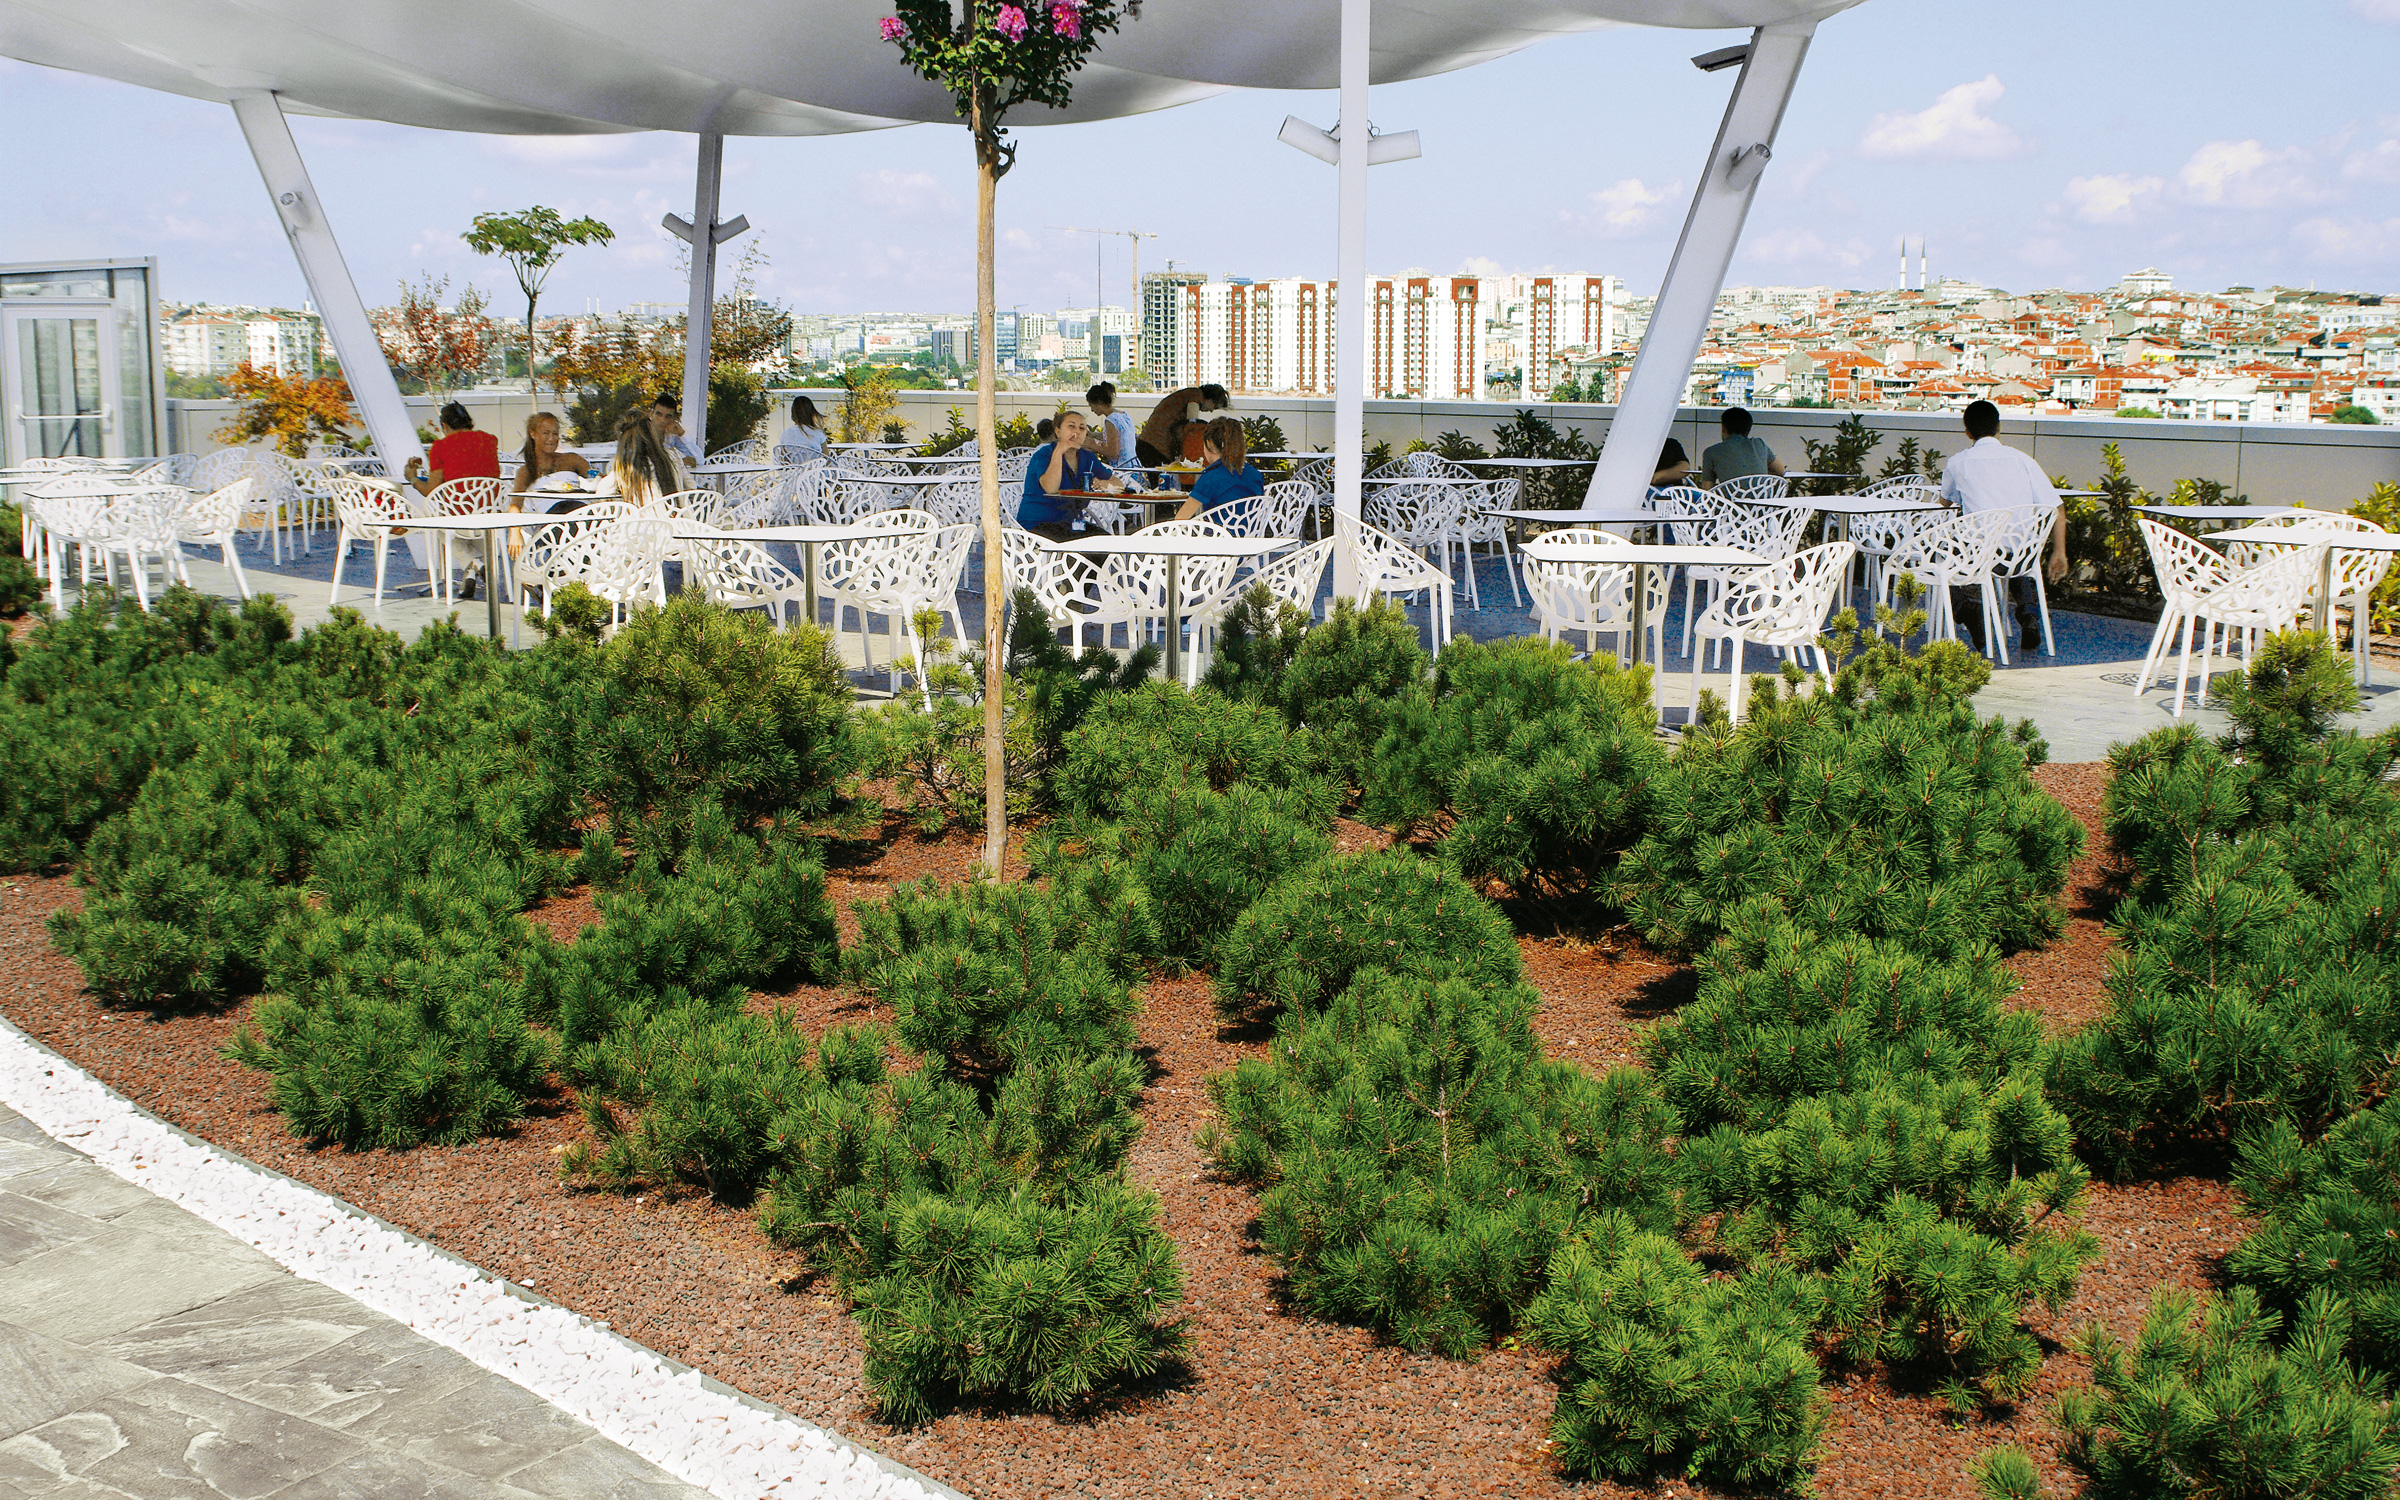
(58, 381)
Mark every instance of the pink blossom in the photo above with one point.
(894, 29)
(1010, 22)
(1066, 19)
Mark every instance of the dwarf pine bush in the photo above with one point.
(694, 703)
(2328, 1222)
(2262, 981)
(1420, 1159)
(1669, 1369)
(1310, 935)
(1344, 679)
(1159, 735)
(2229, 1402)
(1544, 763)
(1906, 819)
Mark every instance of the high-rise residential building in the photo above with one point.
(201, 345)
(208, 341)
(1552, 319)
(1162, 318)
(1425, 336)
(954, 345)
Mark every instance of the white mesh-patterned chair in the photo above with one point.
(2187, 572)
(1945, 552)
(1133, 585)
(1588, 593)
(1782, 604)
(215, 519)
(851, 573)
(1388, 567)
(1751, 488)
(743, 575)
(565, 550)
(371, 511)
(1292, 577)
(1065, 584)
(462, 497)
(2356, 572)
(2256, 600)
(2020, 547)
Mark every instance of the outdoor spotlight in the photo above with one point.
(1723, 58)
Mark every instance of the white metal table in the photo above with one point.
(1174, 549)
(2210, 512)
(491, 524)
(1640, 555)
(2304, 535)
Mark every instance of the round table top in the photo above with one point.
(1554, 549)
(1604, 517)
(1531, 463)
(802, 532)
(2330, 538)
(490, 520)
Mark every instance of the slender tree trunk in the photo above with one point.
(987, 443)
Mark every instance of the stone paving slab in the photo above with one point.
(148, 1355)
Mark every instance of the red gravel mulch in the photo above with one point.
(2067, 981)
(1270, 1400)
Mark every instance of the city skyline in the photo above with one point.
(2024, 155)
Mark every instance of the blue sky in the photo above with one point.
(2033, 143)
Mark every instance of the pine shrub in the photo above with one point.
(1909, 820)
(2232, 1403)
(1668, 1370)
(1309, 936)
(695, 703)
(1159, 735)
(1421, 1159)
(1544, 763)
(1781, 1014)
(989, 976)
(1255, 644)
(171, 936)
(2329, 1222)
(1344, 679)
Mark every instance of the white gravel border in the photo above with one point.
(697, 1429)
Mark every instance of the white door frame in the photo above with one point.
(18, 423)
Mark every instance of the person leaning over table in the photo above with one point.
(1739, 454)
(460, 453)
(1160, 441)
(1990, 475)
(1060, 465)
(1229, 475)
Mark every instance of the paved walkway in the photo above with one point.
(149, 1354)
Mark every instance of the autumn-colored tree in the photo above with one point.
(437, 348)
(991, 56)
(293, 410)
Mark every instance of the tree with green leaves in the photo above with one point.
(993, 55)
(531, 241)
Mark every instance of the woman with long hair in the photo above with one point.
(805, 441)
(542, 457)
(644, 470)
(1230, 476)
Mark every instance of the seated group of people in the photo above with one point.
(1082, 460)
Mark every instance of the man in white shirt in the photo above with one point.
(1990, 475)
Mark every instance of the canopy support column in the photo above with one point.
(696, 328)
(1679, 321)
(372, 388)
(1351, 301)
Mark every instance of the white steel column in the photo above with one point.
(1351, 306)
(372, 388)
(1679, 321)
(704, 243)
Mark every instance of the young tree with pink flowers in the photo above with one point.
(993, 57)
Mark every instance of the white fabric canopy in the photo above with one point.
(752, 67)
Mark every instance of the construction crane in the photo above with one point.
(1133, 306)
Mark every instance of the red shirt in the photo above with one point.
(466, 455)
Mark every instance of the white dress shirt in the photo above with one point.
(1990, 475)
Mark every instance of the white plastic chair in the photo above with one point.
(2020, 544)
(1292, 577)
(463, 497)
(1065, 584)
(2356, 572)
(565, 550)
(213, 520)
(1386, 566)
(72, 515)
(1749, 488)
(2255, 600)
(2188, 573)
(628, 559)
(921, 573)
(1591, 595)
(142, 526)
(742, 575)
(1951, 551)
(848, 572)
(1781, 604)
(1133, 585)
(371, 511)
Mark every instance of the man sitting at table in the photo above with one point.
(1058, 481)
(1739, 454)
(1990, 475)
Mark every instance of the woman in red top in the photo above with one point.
(460, 453)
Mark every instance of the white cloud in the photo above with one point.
(2349, 242)
(900, 192)
(1957, 126)
(2245, 174)
(1792, 246)
(1626, 207)
(1478, 265)
(2111, 199)
(2377, 163)
(2386, 11)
